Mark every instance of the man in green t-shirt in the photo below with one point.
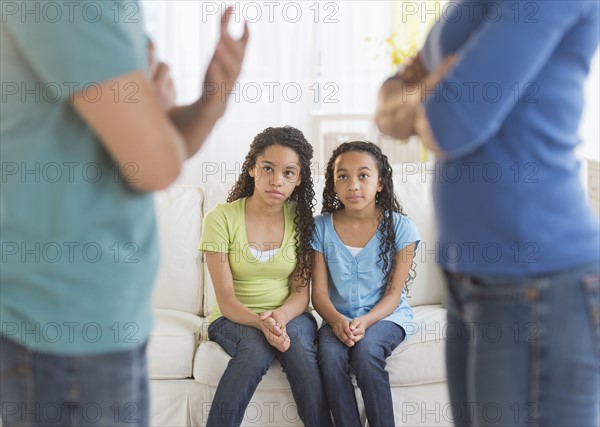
(84, 139)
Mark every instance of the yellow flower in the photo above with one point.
(401, 52)
(397, 49)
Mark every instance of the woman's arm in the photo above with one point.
(320, 299)
(400, 111)
(391, 299)
(398, 99)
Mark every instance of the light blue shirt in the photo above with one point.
(356, 282)
(79, 245)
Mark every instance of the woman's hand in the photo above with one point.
(400, 111)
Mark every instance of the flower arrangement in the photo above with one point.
(397, 52)
(398, 48)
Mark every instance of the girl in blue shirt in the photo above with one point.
(364, 249)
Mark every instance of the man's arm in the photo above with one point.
(142, 133)
(196, 121)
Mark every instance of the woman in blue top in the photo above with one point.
(524, 293)
(364, 248)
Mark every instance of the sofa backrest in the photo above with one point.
(179, 282)
(183, 282)
(414, 194)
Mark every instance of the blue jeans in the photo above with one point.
(40, 389)
(251, 356)
(524, 351)
(367, 360)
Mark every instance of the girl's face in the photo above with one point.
(276, 174)
(356, 180)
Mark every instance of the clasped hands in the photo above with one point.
(273, 326)
(349, 332)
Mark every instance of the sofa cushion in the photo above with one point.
(179, 281)
(414, 195)
(172, 343)
(211, 360)
(421, 358)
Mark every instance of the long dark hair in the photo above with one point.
(385, 200)
(303, 195)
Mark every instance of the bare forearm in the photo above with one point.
(237, 312)
(395, 113)
(294, 305)
(196, 121)
(194, 125)
(326, 309)
(382, 309)
(398, 98)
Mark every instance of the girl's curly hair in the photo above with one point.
(385, 200)
(303, 195)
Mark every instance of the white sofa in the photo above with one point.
(185, 368)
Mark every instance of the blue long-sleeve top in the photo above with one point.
(508, 195)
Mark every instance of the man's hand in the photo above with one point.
(160, 79)
(223, 69)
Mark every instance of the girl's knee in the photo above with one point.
(365, 353)
(255, 350)
(325, 336)
(302, 329)
(332, 356)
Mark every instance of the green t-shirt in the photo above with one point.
(259, 285)
(79, 246)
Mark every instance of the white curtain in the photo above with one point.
(302, 57)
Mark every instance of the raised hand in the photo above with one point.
(223, 69)
(160, 79)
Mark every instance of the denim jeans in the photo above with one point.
(524, 351)
(367, 360)
(251, 356)
(40, 389)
